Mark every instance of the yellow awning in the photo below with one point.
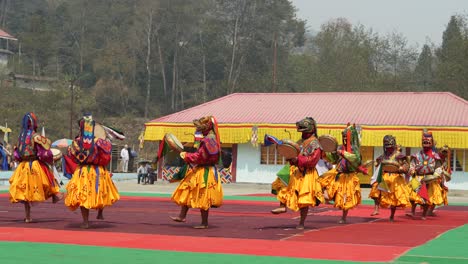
(407, 136)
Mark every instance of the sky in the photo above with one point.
(417, 20)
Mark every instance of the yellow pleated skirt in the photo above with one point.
(303, 189)
(445, 195)
(375, 193)
(277, 185)
(398, 195)
(29, 183)
(91, 187)
(412, 187)
(327, 182)
(435, 193)
(196, 192)
(348, 191)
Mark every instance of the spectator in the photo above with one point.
(4, 155)
(124, 155)
(151, 174)
(142, 173)
(131, 158)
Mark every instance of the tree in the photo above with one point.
(424, 68)
(452, 57)
(399, 59)
(345, 56)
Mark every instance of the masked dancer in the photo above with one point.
(342, 183)
(425, 188)
(303, 189)
(200, 183)
(91, 186)
(33, 180)
(390, 178)
(446, 173)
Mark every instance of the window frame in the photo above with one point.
(267, 151)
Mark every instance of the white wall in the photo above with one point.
(459, 181)
(249, 169)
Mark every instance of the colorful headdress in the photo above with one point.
(427, 139)
(351, 138)
(28, 127)
(207, 124)
(307, 125)
(204, 124)
(87, 132)
(446, 152)
(214, 123)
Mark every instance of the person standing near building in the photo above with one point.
(125, 156)
(303, 189)
(33, 179)
(200, 183)
(91, 186)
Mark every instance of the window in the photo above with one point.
(269, 156)
(459, 160)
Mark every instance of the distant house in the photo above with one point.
(5, 52)
(401, 114)
(38, 83)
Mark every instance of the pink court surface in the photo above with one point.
(238, 227)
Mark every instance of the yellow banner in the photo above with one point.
(407, 136)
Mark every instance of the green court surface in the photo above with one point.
(448, 248)
(38, 253)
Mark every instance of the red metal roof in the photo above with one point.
(5, 35)
(369, 108)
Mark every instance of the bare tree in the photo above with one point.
(148, 31)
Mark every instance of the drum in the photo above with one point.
(328, 143)
(430, 177)
(99, 131)
(288, 149)
(436, 175)
(390, 166)
(173, 142)
(56, 154)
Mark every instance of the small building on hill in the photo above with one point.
(5, 52)
(244, 119)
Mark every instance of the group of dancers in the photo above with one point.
(91, 186)
(419, 180)
(398, 180)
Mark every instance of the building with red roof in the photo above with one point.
(244, 119)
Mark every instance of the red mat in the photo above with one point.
(295, 249)
(405, 231)
(239, 227)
